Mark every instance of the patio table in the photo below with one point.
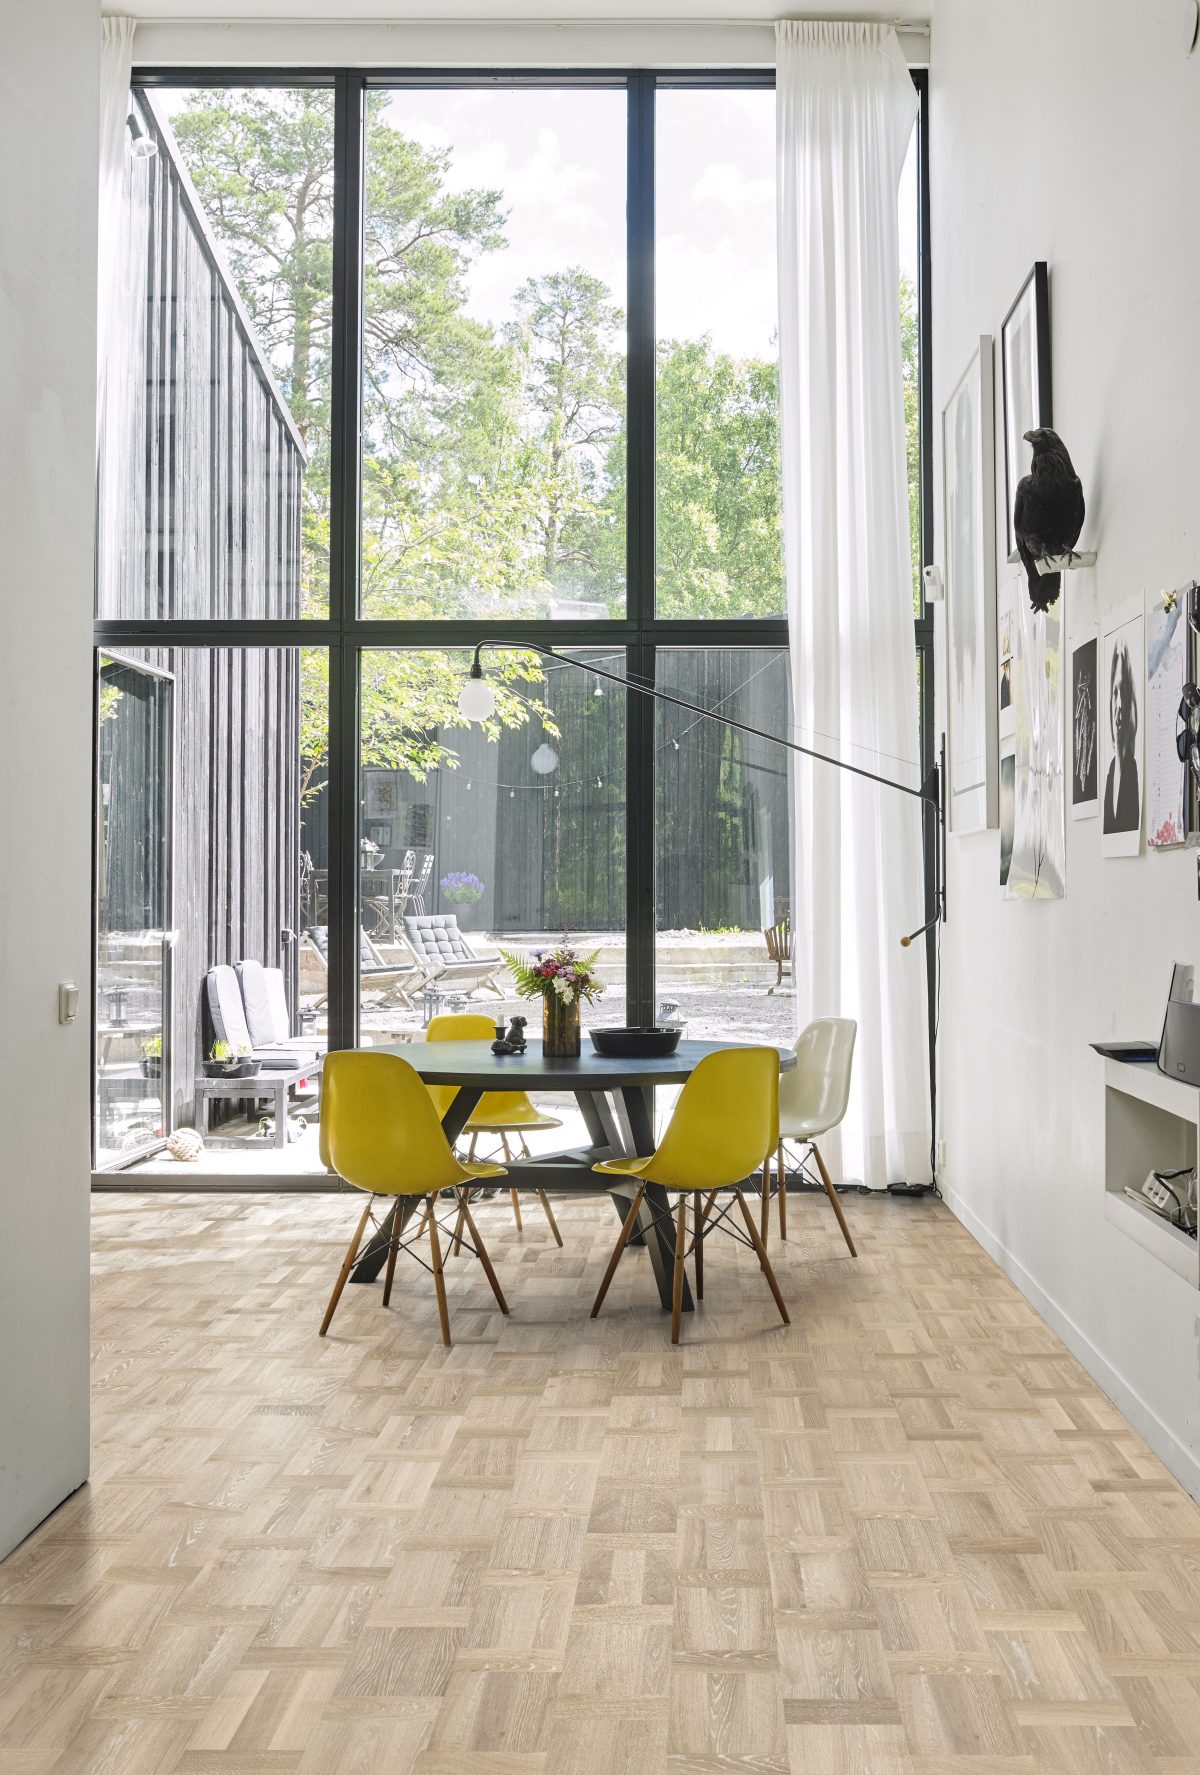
(615, 1102)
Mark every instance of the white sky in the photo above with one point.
(558, 157)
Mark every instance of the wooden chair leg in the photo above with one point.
(439, 1280)
(626, 1233)
(484, 1259)
(393, 1253)
(781, 1190)
(515, 1199)
(347, 1266)
(471, 1149)
(525, 1152)
(456, 1245)
(833, 1197)
(765, 1188)
(677, 1278)
(698, 1243)
(549, 1213)
(763, 1259)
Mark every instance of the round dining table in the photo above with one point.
(615, 1100)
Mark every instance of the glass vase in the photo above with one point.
(560, 1027)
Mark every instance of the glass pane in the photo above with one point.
(494, 375)
(723, 845)
(133, 911)
(507, 835)
(214, 482)
(251, 743)
(717, 449)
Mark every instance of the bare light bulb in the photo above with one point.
(476, 699)
(544, 760)
(143, 148)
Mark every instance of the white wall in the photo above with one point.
(1069, 130)
(48, 136)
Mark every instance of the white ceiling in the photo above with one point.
(608, 12)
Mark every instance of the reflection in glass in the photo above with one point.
(504, 835)
(722, 837)
(214, 468)
(133, 885)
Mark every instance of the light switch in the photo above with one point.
(68, 1001)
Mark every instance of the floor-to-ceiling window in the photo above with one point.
(422, 361)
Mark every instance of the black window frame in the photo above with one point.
(345, 634)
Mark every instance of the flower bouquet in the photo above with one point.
(562, 979)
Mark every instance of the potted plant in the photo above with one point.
(244, 1066)
(462, 890)
(221, 1061)
(152, 1057)
(562, 979)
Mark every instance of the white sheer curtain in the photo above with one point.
(845, 111)
(116, 68)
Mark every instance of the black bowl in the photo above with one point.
(634, 1044)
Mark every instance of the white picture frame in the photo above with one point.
(969, 519)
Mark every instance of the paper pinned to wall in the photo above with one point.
(1166, 669)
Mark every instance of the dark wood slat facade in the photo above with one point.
(200, 494)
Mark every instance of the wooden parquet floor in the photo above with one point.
(906, 1536)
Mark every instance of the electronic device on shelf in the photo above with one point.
(1179, 1045)
(1171, 1194)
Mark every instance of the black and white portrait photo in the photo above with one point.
(967, 432)
(1085, 731)
(1121, 737)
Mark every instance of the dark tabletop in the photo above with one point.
(473, 1063)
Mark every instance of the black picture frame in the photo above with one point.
(1025, 375)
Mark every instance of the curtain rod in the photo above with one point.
(912, 27)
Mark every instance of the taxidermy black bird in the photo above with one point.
(1047, 513)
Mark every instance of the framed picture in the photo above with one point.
(1085, 730)
(1006, 715)
(380, 833)
(1122, 681)
(381, 795)
(969, 471)
(1025, 363)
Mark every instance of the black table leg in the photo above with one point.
(372, 1260)
(655, 1222)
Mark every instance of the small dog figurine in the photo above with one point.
(514, 1041)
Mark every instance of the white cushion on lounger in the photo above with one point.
(260, 1020)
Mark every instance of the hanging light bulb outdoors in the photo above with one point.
(544, 760)
(476, 699)
(143, 148)
(599, 689)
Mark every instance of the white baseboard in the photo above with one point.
(1160, 1437)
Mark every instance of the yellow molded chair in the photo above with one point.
(812, 1100)
(380, 1132)
(497, 1112)
(725, 1126)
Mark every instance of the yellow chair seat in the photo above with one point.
(477, 1168)
(622, 1167)
(509, 1118)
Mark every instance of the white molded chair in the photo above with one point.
(812, 1099)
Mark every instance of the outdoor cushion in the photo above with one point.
(228, 1015)
(225, 1007)
(435, 936)
(260, 1020)
(369, 961)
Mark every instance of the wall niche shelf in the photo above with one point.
(1151, 1123)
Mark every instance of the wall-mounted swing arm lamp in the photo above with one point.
(477, 701)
